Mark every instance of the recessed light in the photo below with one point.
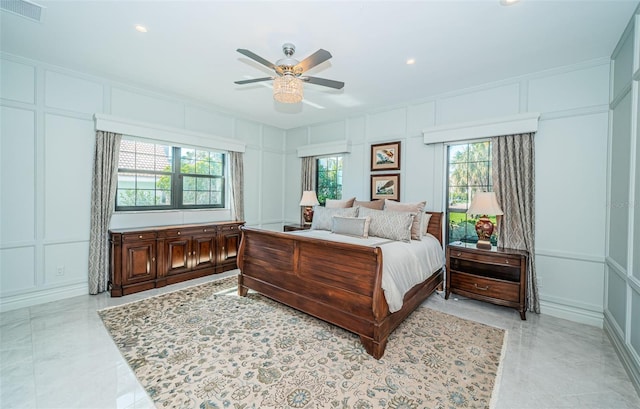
(141, 28)
(411, 61)
(508, 2)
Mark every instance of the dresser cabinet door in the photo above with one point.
(204, 251)
(177, 252)
(138, 261)
(228, 244)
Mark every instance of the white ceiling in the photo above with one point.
(190, 46)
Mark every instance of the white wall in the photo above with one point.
(46, 150)
(622, 268)
(571, 159)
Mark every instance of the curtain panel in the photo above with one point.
(103, 196)
(308, 173)
(236, 164)
(514, 184)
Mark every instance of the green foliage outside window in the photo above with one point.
(329, 178)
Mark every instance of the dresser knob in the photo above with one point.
(204, 230)
(458, 254)
(480, 288)
(507, 261)
(178, 233)
(140, 236)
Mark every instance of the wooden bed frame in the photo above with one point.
(337, 282)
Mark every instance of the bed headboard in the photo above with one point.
(435, 225)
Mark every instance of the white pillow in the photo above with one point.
(425, 220)
(389, 224)
(322, 216)
(351, 226)
(418, 228)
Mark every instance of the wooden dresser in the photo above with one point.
(147, 258)
(498, 276)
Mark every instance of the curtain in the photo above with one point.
(103, 196)
(514, 185)
(308, 173)
(236, 164)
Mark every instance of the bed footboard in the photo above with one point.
(337, 282)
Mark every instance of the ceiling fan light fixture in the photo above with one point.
(287, 89)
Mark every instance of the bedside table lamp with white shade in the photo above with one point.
(308, 200)
(484, 204)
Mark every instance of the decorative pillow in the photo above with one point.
(333, 203)
(426, 218)
(418, 227)
(389, 224)
(351, 226)
(374, 204)
(322, 216)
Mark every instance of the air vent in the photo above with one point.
(23, 8)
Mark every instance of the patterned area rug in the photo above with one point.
(204, 347)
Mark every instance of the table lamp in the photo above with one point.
(485, 204)
(309, 199)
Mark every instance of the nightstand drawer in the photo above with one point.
(296, 227)
(494, 259)
(485, 286)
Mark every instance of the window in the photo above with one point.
(329, 178)
(469, 171)
(156, 177)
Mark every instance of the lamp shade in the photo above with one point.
(309, 198)
(485, 203)
(287, 89)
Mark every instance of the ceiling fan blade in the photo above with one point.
(324, 82)
(253, 80)
(257, 58)
(314, 59)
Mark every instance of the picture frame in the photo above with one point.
(385, 187)
(385, 156)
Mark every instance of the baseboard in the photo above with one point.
(43, 296)
(575, 313)
(631, 365)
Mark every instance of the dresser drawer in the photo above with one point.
(139, 236)
(485, 286)
(496, 259)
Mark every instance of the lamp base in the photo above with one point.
(483, 245)
(484, 229)
(308, 215)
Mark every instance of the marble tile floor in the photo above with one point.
(59, 355)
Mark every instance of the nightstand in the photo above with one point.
(296, 227)
(498, 276)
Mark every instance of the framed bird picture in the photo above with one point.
(385, 187)
(385, 156)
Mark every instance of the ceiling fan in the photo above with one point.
(287, 85)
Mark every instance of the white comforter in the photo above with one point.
(404, 264)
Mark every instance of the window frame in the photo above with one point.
(177, 180)
(339, 178)
(468, 221)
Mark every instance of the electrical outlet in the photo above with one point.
(60, 271)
